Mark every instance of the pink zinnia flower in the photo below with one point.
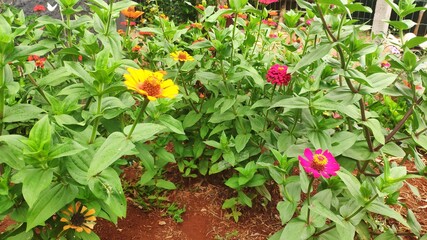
(266, 2)
(39, 8)
(278, 74)
(321, 163)
(269, 22)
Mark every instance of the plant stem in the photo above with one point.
(110, 15)
(185, 89)
(2, 95)
(69, 37)
(39, 89)
(97, 119)
(138, 117)
(271, 100)
(232, 38)
(308, 199)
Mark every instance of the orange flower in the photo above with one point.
(273, 13)
(136, 48)
(201, 7)
(164, 16)
(131, 13)
(196, 25)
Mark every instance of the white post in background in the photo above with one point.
(382, 12)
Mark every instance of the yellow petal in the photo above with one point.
(79, 229)
(66, 227)
(90, 219)
(64, 220)
(90, 212)
(87, 230)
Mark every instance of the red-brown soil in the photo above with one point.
(203, 218)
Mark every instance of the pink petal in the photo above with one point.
(325, 175)
(303, 162)
(319, 151)
(309, 154)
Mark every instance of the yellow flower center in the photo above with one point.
(281, 68)
(151, 87)
(319, 162)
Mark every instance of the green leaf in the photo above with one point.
(313, 55)
(54, 78)
(346, 230)
(21, 113)
(410, 60)
(353, 185)
(297, 229)
(376, 128)
(11, 157)
(319, 139)
(145, 131)
(382, 209)
(191, 118)
(78, 164)
(402, 25)
(413, 42)
(342, 141)
(171, 123)
(317, 207)
(394, 150)
(107, 187)
(380, 81)
(413, 223)
(165, 184)
(286, 210)
(41, 133)
(293, 102)
(241, 141)
(77, 69)
(66, 149)
(51, 201)
(36, 180)
(115, 146)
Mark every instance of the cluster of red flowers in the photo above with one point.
(39, 8)
(278, 74)
(39, 61)
(125, 23)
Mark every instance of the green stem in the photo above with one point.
(232, 38)
(110, 15)
(2, 96)
(185, 89)
(97, 119)
(271, 100)
(70, 44)
(308, 199)
(138, 117)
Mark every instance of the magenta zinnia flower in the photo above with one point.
(266, 2)
(321, 163)
(278, 74)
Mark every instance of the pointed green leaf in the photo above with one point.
(51, 201)
(36, 180)
(115, 146)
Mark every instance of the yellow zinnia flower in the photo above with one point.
(182, 56)
(79, 218)
(150, 84)
(130, 12)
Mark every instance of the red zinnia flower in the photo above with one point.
(39, 8)
(37, 60)
(278, 74)
(321, 163)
